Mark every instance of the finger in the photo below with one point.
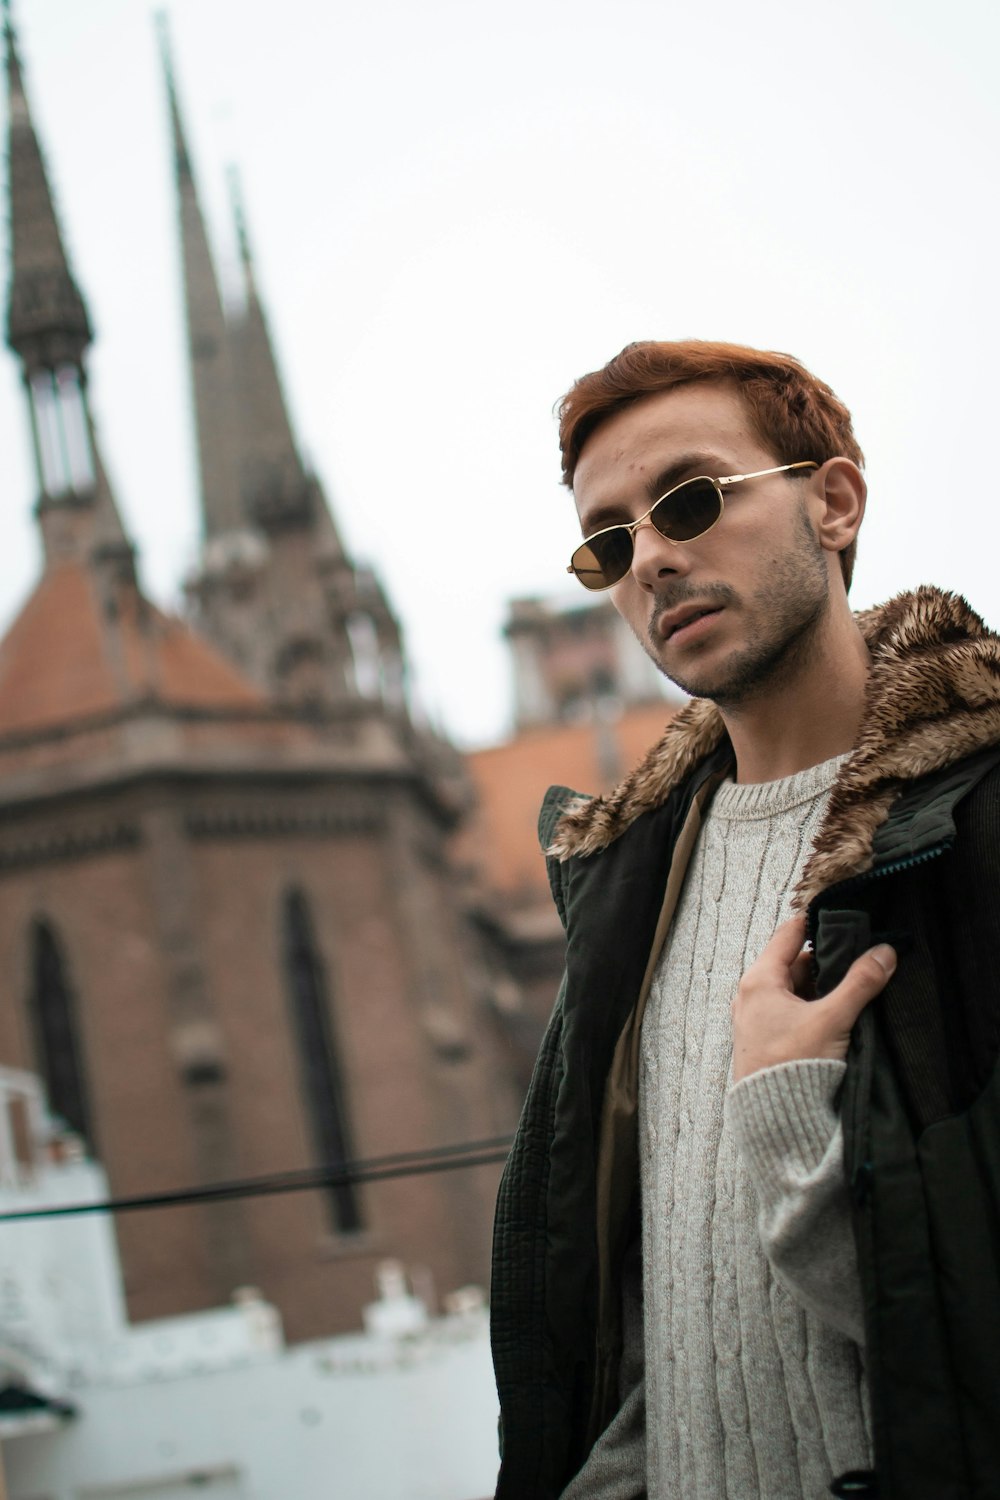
(786, 944)
(866, 978)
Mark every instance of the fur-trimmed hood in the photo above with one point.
(933, 697)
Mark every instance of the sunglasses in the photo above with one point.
(683, 513)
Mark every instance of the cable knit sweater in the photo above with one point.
(742, 1378)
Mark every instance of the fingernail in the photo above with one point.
(884, 955)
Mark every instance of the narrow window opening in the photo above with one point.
(76, 436)
(51, 450)
(363, 637)
(57, 1041)
(319, 1061)
(64, 449)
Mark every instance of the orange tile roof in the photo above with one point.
(63, 659)
(500, 840)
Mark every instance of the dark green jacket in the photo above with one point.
(909, 852)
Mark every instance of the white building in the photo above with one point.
(212, 1404)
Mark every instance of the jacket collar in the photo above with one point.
(933, 698)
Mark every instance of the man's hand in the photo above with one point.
(772, 1024)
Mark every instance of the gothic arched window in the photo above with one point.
(58, 1048)
(319, 1063)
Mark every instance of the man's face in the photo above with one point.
(733, 613)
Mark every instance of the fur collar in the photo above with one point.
(933, 697)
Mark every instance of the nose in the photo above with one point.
(655, 557)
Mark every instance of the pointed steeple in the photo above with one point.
(276, 489)
(47, 322)
(277, 591)
(208, 344)
(49, 328)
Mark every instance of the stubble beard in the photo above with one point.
(790, 610)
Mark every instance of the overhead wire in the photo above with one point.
(374, 1169)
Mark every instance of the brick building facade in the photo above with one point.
(231, 937)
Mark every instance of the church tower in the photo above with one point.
(230, 937)
(90, 655)
(276, 589)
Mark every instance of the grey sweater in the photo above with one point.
(743, 1374)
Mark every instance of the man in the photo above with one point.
(748, 1238)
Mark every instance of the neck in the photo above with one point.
(808, 717)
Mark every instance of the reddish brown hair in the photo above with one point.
(795, 415)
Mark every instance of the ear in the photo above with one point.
(840, 488)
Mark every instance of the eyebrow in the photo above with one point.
(686, 466)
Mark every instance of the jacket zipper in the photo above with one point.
(909, 862)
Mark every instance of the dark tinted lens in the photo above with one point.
(604, 559)
(687, 511)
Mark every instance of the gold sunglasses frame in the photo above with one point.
(633, 526)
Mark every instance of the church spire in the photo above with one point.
(47, 322)
(276, 590)
(48, 327)
(208, 344)
(276, 489)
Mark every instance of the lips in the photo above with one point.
(674, 620)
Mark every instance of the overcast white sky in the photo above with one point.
(457, 208)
